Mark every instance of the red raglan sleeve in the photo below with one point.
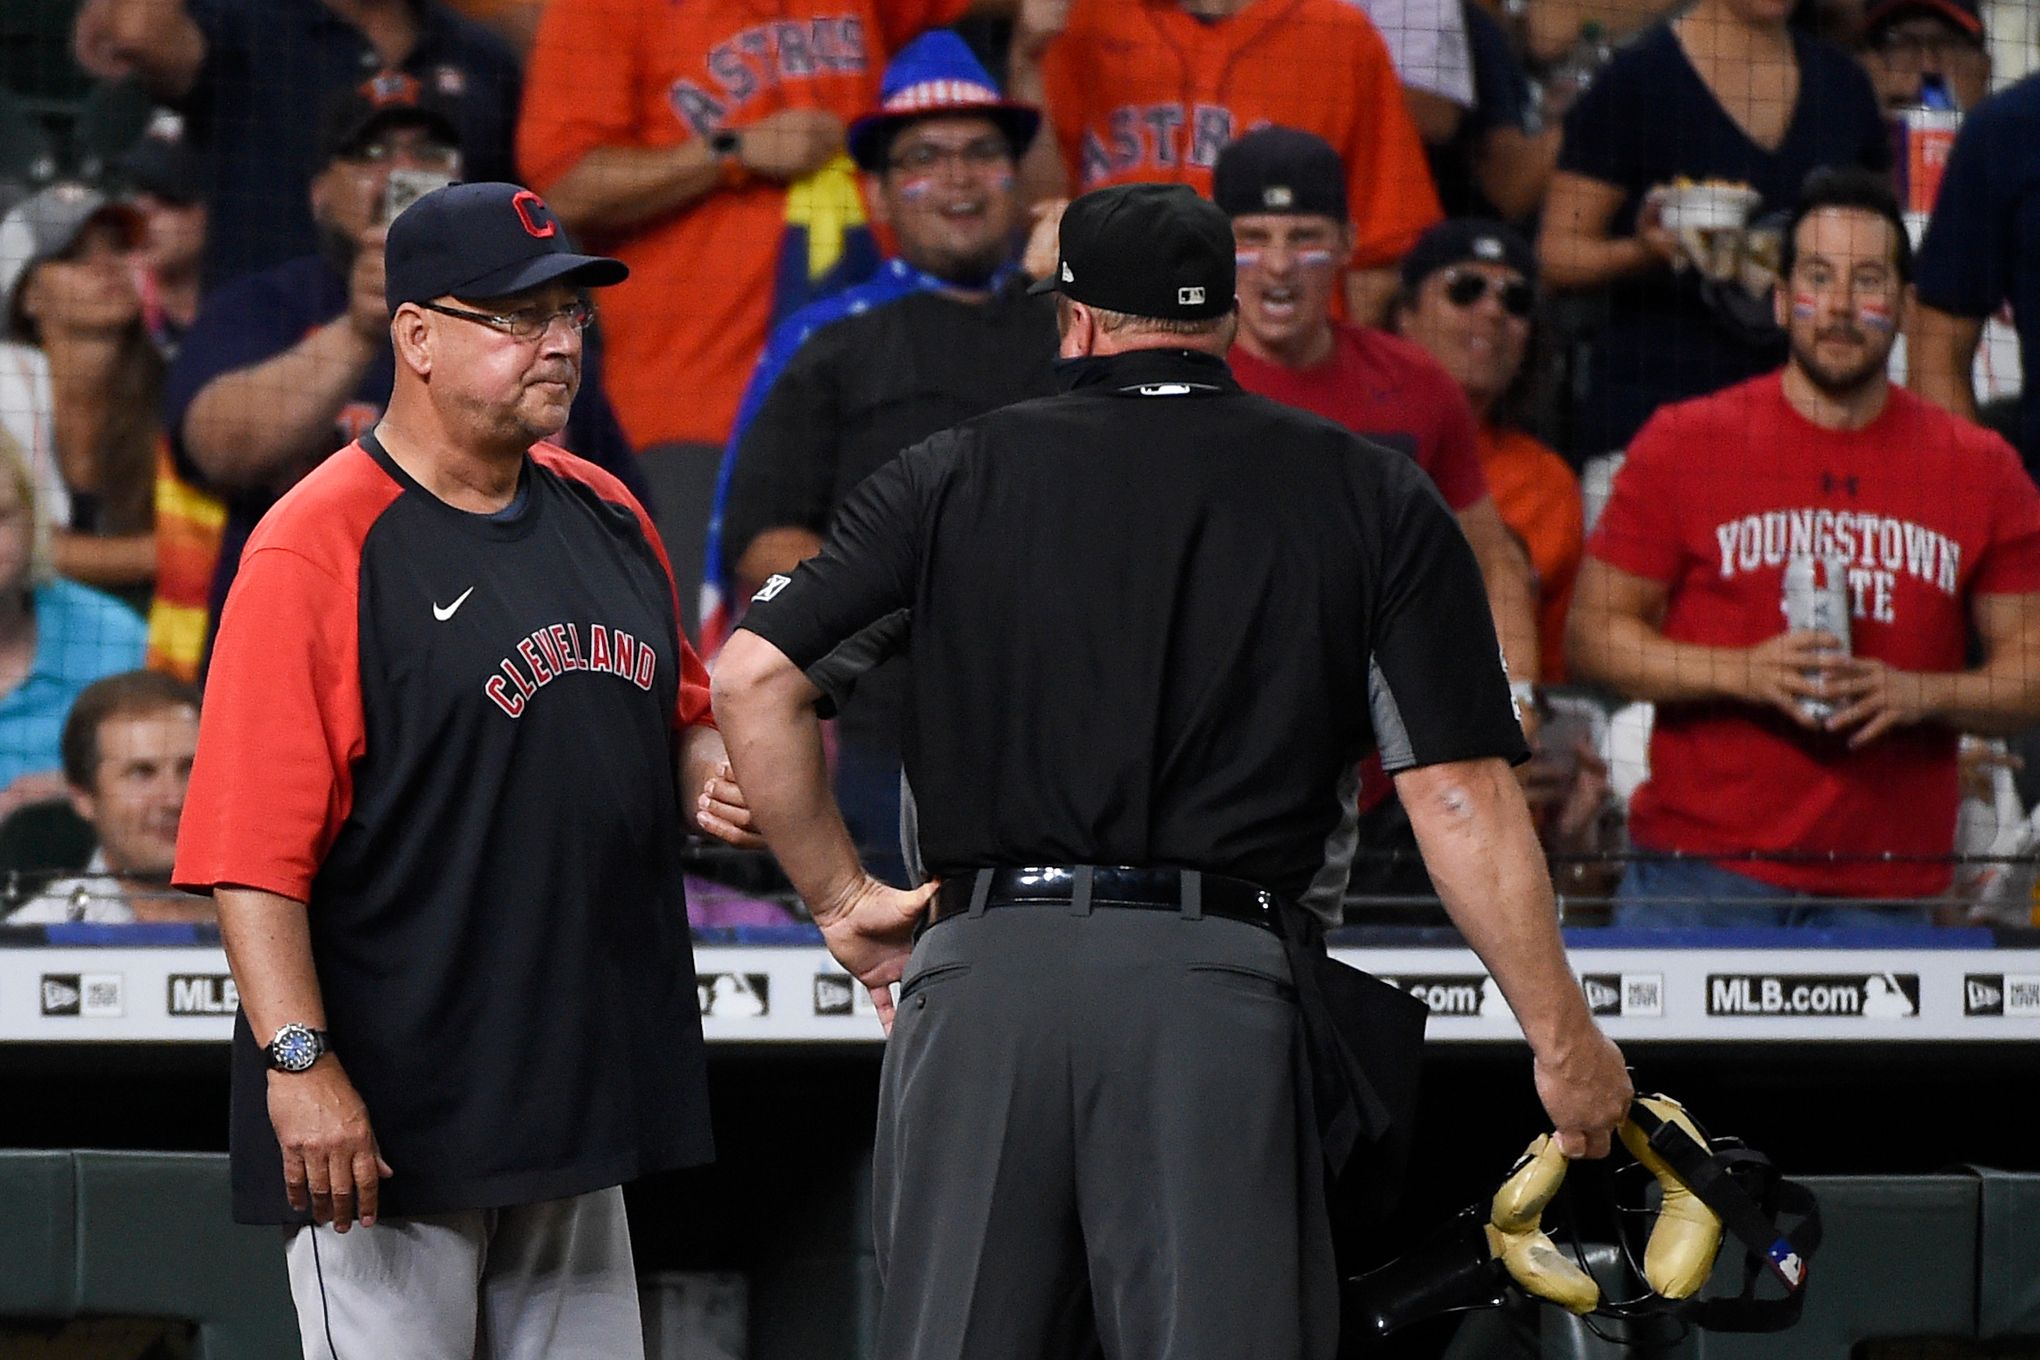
(279, 733)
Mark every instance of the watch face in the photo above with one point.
(294, 1048)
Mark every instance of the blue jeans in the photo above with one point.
(1685, 893)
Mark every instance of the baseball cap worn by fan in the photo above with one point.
(351, 116)
(1962, 14)
(46, 224)
(1280, 170)
(1153, 250)
(163, 162)
(484, 240)
(936, 74)
(1468, 240)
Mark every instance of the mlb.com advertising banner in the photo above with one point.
(747, 994)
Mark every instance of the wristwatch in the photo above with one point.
(727, 146)
(295, 1047)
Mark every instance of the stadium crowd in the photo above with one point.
(1683, 307)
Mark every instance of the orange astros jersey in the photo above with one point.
(1140, 90)
(684, 331)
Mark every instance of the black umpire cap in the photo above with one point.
(1280, 170)
(1154, 250)
(482, 241)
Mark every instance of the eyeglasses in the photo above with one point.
(526, 324)
(1467, 289)
(980, 154)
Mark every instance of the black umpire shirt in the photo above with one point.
(857, 392)
(1157, 620)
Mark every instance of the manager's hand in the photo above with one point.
(870, 930)
(721, 810)
(331, 1164)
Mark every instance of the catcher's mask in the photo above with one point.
(1705, 1187)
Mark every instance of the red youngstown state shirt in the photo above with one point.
(1927, 510)
(453, 736)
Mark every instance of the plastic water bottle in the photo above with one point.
(1819, 606)
(1922, 135)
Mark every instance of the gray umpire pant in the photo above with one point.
(1094, 1125)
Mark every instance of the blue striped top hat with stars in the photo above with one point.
(932, 75)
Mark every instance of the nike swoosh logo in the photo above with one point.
(445, 612)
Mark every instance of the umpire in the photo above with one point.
(1157, 622)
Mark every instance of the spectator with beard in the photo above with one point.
(284, 366)
(1789, 770)
(945, 332)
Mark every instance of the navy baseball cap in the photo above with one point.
(349, 117)
(1280, 170)
(483, 241)
(1155, 250)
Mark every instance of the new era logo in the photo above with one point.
(1190, 297)
(773, 585)
(1067, 276)
(91, 995)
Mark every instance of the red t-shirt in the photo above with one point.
(1382, 386)
(1928, 510)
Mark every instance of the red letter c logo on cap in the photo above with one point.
(539, 223)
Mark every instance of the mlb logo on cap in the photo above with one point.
(1278, 196)
(1488, 248)
(1189, 297)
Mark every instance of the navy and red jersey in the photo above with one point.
(455, 738)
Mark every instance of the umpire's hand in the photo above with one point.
(870, 929)
(330, 1161)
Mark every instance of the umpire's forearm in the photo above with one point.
(765, 707)
(1481, 850)
(269, 948)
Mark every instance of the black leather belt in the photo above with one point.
(1188, 891)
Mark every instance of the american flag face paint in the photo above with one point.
(1305, 259)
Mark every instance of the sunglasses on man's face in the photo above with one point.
(1467, 289)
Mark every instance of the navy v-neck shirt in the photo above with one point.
(1648, 119)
